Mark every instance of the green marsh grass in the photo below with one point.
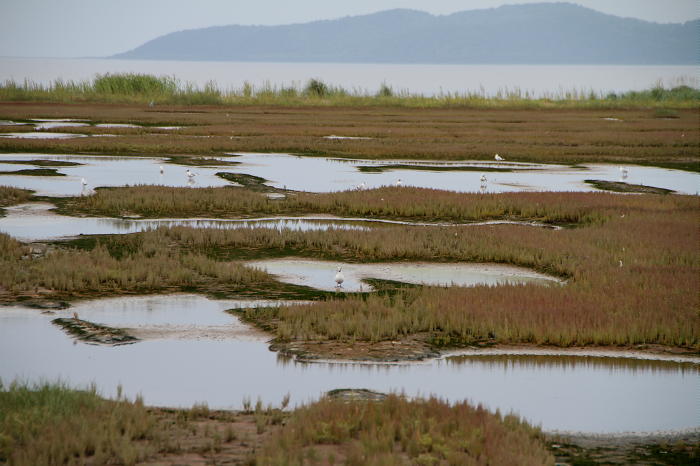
(131, 84)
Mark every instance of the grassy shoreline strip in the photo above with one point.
(149, 89)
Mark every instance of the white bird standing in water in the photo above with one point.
(498, 158)
(623, 173)
(339, 278)
(162, 169)
(190, 175)
(398, 182)
(482, 178)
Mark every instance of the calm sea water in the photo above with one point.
(422, 79)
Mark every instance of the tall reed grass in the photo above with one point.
(144, 88)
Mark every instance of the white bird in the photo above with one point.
(339, 278)
(499, 158)
(398, 182)
(190, 175)
(620, 263)
(161, 169)
(623, 172)
(362, 185)
(482, 178)
(83, 181)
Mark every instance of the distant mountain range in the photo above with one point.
(543, 33)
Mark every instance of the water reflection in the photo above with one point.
(575, 362)
(34, 222)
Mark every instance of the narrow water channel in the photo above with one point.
(36, 222)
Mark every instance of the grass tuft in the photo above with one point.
(398, 431)
(52, 424)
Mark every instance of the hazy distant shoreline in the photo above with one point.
(417, 79)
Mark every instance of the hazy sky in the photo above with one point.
(79, 28)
